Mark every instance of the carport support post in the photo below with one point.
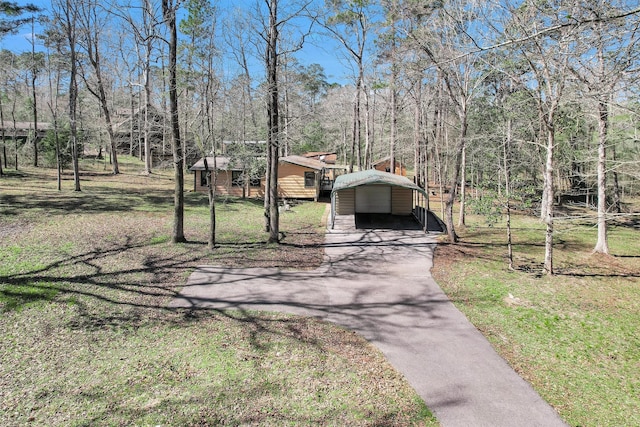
(426, 215)
(333, 210)
(425, 212)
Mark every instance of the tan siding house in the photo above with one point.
(229, 179)
(299, 177)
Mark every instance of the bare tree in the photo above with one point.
(169, 10)
(36, 62)
(350, 23)
(273, 121)
(272, 36)
(92, 20)
(146, 34)
(547, 58)
(610, 56)
(442, 42)
(66, 15)
(55, 44)
(200, 26)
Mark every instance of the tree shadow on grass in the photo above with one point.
(81, 203)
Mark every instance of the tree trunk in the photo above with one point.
(132, 112)
(58, 160)
(147, 108)
(104, 104)
(617, 198)
(602, 245)
(70, 21)
(507, 190)
(73, 101)
(394, 118)
(463, 188)
(355, 136)
(273, 122)
(267, 192)
(34, 75)
(169, 14)
(453, 237)
(35, 119)
(211, 176)
(368, 143)
(2, 135)
(548, 201)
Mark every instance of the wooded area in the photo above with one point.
(528, 103)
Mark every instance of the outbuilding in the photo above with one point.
(377, 192)
(384, 165)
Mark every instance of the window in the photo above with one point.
(254, 182)
(309, 179)
(203, 178)
(236, 178)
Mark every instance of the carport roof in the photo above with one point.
(372, 176)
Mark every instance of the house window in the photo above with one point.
(236, 178)
(309, 179)
(254, 182)
(203, 178)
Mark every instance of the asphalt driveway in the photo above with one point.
(377, 282)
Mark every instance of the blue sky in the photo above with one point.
(324, 51)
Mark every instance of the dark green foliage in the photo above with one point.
(14, 10)
(49, 147)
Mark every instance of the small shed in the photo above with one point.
(384, 165)
(231, 178)
(375, 192)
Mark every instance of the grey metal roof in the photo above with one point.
(371, 177)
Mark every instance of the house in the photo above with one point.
(328, 157)
(381, 193)
(384, 165)
(331, 170)
(232, 178)
(23, 130)
(132, 126)
(299, 177)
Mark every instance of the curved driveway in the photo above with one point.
(378, 283)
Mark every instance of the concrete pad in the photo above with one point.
(378, 283)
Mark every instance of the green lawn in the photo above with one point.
(86, 338)
(574, 336)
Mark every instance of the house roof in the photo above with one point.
(221, 163)
(386, 159)
(8, 126)
(304, 162)
(329, 157)
(319, 153)
(372, 177)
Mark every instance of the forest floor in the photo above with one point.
(86, 337)
(573, 335)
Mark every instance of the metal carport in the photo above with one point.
(373, 191)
